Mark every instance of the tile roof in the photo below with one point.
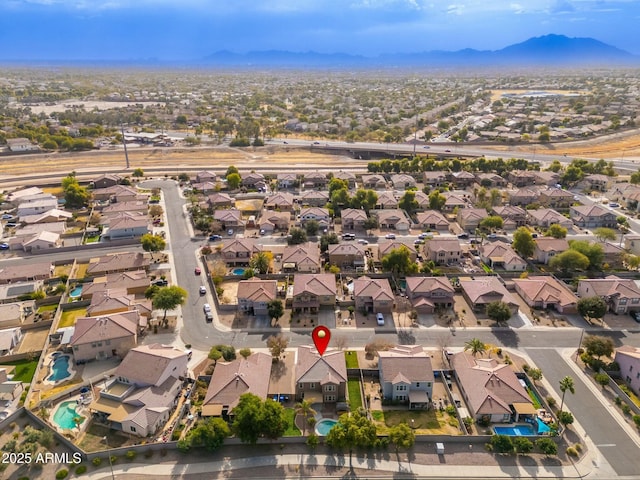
(549, 244)
(257, 290)
(106, 327)
(484, 290)
(318, 284)
(146, 364)
(376, 288)
(310, 367)
(405, 364)
(545, 289)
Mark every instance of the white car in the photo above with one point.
(362, 241)
(380, 319)
(390, 236)
(207, 308)
(203, 290)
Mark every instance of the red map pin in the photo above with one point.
(321, 336)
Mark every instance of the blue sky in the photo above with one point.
(192, 29)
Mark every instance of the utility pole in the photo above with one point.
(124, 143)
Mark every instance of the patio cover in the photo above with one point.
(522, 408)
(418, 397)
(214, 410)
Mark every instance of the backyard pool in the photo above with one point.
(76, 292)
(519, 430)
(65, 414)
(238, 271)
(324, 425)
(59, 368)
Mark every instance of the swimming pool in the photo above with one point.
(65, 414)
(325, 425)
(519, 430)
(59, 368)
(76, 292)
(238, 271)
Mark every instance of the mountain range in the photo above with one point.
(547, 50)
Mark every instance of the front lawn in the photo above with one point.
(292, 430)
(69, 317)
(355, 397)
(25, 369)
(351, 358)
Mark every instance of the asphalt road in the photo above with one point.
(614, 443)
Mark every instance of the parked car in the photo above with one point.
(214, 238)
(202, 290)
(380, 319)
(4, 246)
(197, 271)
(492, 236)
(230, 232)
(161, 282)
(6, 216)
(390, 236)
(463, 236)
(636, 316)
(362, 241)
(614, 205)
(208, 316)
(206, 308)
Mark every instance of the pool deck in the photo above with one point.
(81, 411)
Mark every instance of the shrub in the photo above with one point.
(618, 401)
(313, 440)
(547, 446)
(451, 410)
(551, 401)
(578, 447)
(502, 443)
(97, 461)
(130, 455)
(113, 459)
(81, 469)
(626, 409)
(60, 474)
(522, 445)
(572, 452)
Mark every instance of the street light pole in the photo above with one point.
(113, 477)
(579, 344)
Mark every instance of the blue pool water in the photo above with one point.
(76, 292)
(65, 414)
(238, 271)
(520, 430)
(542, 427)
(324, 425)
(59, 368)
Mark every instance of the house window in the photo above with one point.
(401, 388)
(133, 429)
(107, 342)
(330, 388)
(329, 398)
(401, 398)
(623, 301)
(300, 386)
(428, 384)
(417, 384)
(312, 385)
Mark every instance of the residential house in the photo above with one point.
(545, 177)
(117, 193)
(621, 295)
(556, 198)
(25, 272)
(435, 179)
(432, 220)
(9, 339)
(137, 208)
(622, 192)
(304, 258)
(490, 389)
(315, 180)
(463, 179)
(205, 187)
(13, 314)
(524, 196)
(427, 294)
(546, 292)
(469, 218)
(593, 216)
(548, 247)
(393, 219)
(206, 176)
(20, 145)
(118, 300)
(238, 251)
(41, 241)
(406, 376)
(632, 244)
(402, 181)
(628, 358)
(346, 255)
(106, 336)
(313, 198)
(613, 254)
(513, 216)
(598, 182)
(282, 201)
(443, 251)
(491, 180)
(144, 391)
(373, 295)
(387, 200)
(220, 200)
(482, 291)
(117, 262)
(17, 196)
(126, 225)
(230, 218)
(313, 291)
(385, 247)
(287, 180)
(422, 199)
(10, 390)
(545, 217)
(454, 201)
(254, 180)
(271, 221)
(521, 178)
(500, 255)
(353, 219)
(133, 283)
(106, 180)
(375, 182)
(230, 380)
(348, 177)
(36, 207)
(320, 378)
(320, 215)
(254, 295)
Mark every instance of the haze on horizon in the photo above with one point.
(187, 30)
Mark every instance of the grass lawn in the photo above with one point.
(48, 308)
(61, 270)
(25, 369)
(424, 421)
(94, 239)
(292, 430)
(355, 397)
(351, 358)
(69, 317)
(81, 270)
(534, 399)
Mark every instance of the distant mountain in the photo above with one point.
(552, 50)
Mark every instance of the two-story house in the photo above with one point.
(556, 198)
(287, 180)
(547, 247)
(99, 338)
(593, 216)
(346, 255)
(320, 379)
(315, 180)
(621, 295)
(426, 294)
(469, 218)
(406, 376)
(511, 215)
(628, 358)
(238, 251)
(545, 217)
(304, 258)
(500, 255)
(353, 219)
(254, 295)
(230, 218)
(402, 181)
(320, 215)
(443, 251)
(373, 295)
(313, 291)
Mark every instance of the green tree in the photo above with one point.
(233, 181)
(602, 379)
(365, 199)
(337, 184)
(635, 177)
(138, 173)
(261, 261)
(152, 243)
(304, 409)
(275, 309)
(547, 446)
(475, 346)
(398, 261)
(402, 436)
(436, 200)
(274, 420)
(522, 445)
(328, 239)
(593, 251)
(569, 260)
(353, 430)
(523, 242)
(168, 298)
(592, 308)
(254, 418)
(296, 236)
(215, 355)
(311, 227)
(491, 223)
(556, 231)
(565, 418)
(502, 443)
(150, 292)
(604, 233)
(566, 385)
(277, 344)
(597, 345)
(208, 433)
(408, 202)
(231, 169)
(498, 311)
(535, 374)
(76, 196)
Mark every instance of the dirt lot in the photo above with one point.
(33, 340)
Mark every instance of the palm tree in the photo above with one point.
(304, 408)
(476, 346)
(566, 384)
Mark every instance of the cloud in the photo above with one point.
(562, 6)
(455, 9)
